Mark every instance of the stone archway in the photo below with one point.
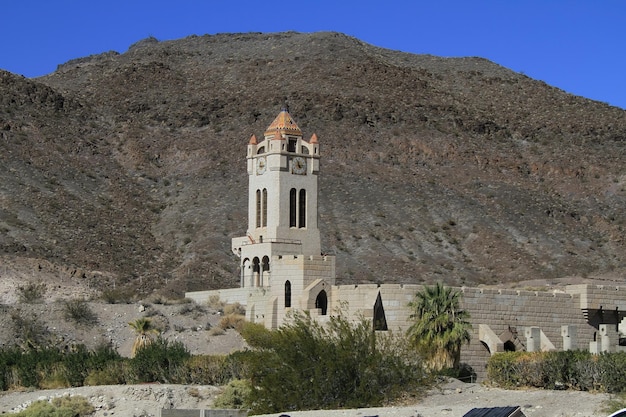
(321, 302)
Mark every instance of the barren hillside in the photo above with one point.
(129, 169)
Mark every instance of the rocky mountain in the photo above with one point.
(129, 169)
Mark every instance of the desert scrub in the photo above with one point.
(79, 312)
(31, 293)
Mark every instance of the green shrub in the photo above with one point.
(157, 361)
(51, 367)
(337, 365)
(235, 395)
(203, 370)
(571, 369)
(612, 375)
(79, 312)
(114, 374)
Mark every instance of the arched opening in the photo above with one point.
(287, 294)
(486, 347)
(245, 270)
(509, 346)
(302, 209)
(265, 271)
(258, 208)
(292, 208)
(380, 321)
(264, 208)
(321, 302)
(256, 272)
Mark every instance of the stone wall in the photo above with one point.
(580, 317)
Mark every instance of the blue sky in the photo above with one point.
(578, 46)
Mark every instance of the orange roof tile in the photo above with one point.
(283, 123)
(313, 138)
(252, 140)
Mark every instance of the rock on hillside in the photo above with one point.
(129, 167)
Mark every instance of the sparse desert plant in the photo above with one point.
(32, 293)
(117, 296)
(29, 331)
(78, 311)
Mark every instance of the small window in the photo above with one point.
(291, 146)
(287, 294)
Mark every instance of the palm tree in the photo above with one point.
(144, 329)
(440, 326)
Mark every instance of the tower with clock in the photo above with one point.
(281, 252)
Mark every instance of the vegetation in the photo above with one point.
(440, 326)
(144, 329)
(579, 370)
(157, 361)
(75, 406)
(340, 364)
(78, 311)
(32, 293)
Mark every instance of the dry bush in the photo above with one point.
(215, 303)
(232, 321)
(235, 308)
(216, 331)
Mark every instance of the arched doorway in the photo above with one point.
(509, 346)
(321, 302)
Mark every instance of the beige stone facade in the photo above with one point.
(282, 269)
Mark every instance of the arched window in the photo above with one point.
(302, 209)
(288, 294)
(321, 302)
(258, 208)
(292, 208)
(254, 278)
(264, 208)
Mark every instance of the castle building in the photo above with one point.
(282, 269)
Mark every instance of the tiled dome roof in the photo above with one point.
(283, 123)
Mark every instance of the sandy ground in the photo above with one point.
(452, 399)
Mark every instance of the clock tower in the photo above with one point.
(283, 170)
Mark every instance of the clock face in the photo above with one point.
(298, 165)
(261, 164)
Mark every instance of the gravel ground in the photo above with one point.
(452, 399)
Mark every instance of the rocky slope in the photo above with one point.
(128, 169)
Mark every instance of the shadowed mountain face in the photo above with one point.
(129, 169)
